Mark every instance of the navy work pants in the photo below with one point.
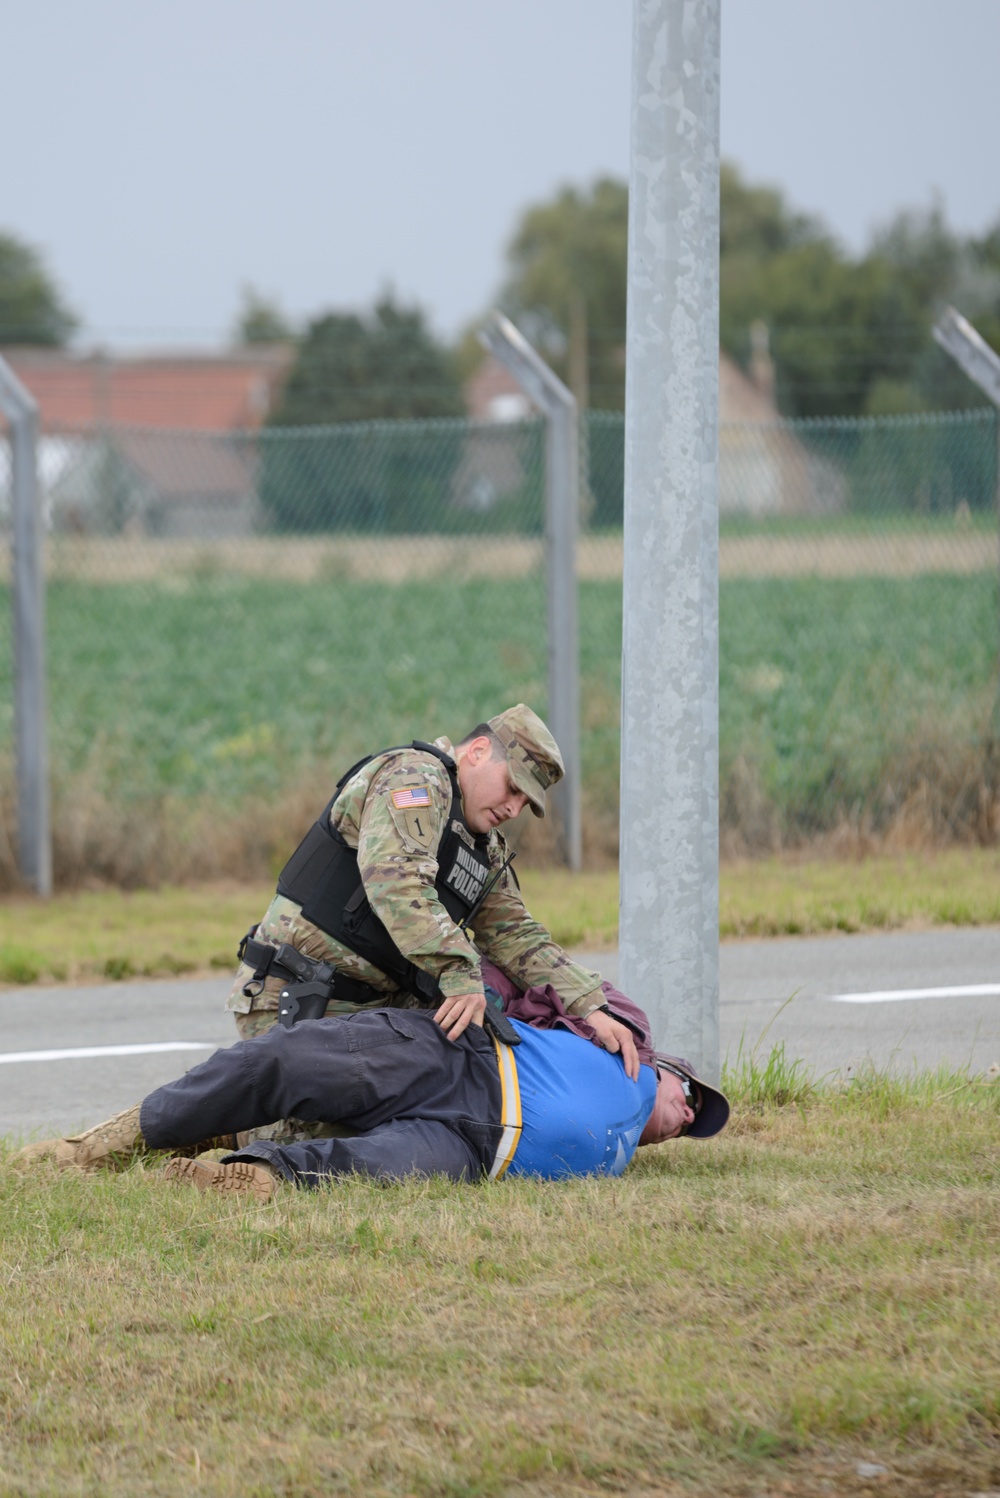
(426, 1105)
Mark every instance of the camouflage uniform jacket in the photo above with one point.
(397, 856)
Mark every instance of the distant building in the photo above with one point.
(764, 469)
(155, 444)
(493, 394)
(228, 392)
(143, 482)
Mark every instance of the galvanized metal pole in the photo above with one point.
(974, 356)
(562, 505)
(34, 832)
(970, 352)
(669, 926)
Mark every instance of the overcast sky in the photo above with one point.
(164, 155)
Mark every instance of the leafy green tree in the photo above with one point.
(984, 301)
(352, 372)
(849, 334)
(931, 266)
(839, 327)
(380, 367)
(572, 254)
(262, 321)
(836, 326)
(31, 308)
(755, 222)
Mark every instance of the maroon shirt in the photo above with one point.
(542, 1008)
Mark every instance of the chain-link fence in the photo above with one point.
(233, 618)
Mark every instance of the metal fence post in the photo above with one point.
(562, 504)
(28, 597)
(669, 919)
(975, 358)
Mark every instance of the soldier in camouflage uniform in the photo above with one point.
(395, 811)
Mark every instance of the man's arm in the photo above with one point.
(542, 1007)
(522, 948)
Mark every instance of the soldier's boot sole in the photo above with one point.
(238, 1176)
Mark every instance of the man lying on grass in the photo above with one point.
(556, 1105)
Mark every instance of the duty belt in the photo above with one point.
(309, 986)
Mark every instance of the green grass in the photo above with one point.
(875, 526)
(812, 1291)
(796, 896)
(100, 934)
(116, 934)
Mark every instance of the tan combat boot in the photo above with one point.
(239, 1175)
(109, 1144)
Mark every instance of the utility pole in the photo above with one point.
(669, 926)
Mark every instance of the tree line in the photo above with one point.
(848, 334)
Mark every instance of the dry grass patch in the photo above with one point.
(94, 935)
(812, 1292)
(864, 891)
(99, 934)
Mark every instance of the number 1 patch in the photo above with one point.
(418, 826)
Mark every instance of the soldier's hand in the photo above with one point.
(461, 1010)
(614, 1036)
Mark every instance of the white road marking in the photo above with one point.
(890, 995)
(84, 1052)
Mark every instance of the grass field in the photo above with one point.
(89, 935)
(804, 1306)
(196, 720)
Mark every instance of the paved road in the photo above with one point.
(837, 1001)
(846, 1008)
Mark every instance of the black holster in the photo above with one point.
(309, 985)
(303, 1001)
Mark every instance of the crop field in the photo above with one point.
(195, 720)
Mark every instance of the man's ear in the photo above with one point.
(478, 749)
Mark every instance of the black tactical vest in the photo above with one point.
(322, 876)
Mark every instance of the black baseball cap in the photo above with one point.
(713, 1115)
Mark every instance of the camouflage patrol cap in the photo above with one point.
(533, 756)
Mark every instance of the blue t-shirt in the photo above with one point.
(580, 1113)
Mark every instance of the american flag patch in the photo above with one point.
(412, 795)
